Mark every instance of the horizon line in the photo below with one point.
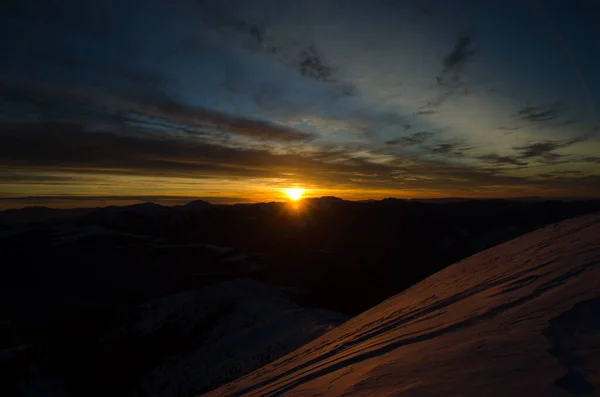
(222, 200)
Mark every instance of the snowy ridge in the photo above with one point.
(517, 319)
(237, 326)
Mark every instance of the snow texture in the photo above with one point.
(238, 326)
(70, 235)
(519, 319)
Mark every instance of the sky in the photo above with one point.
(232, 101)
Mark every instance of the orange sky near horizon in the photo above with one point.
(104, 190)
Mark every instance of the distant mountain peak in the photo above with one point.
(145, 206)
(327, 198)
(31, 208)
(197, 204)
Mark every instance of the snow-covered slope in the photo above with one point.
(218, 333)
(522, 318)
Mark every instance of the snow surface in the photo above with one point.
(11, 352)
(239, 325)
(72, 234)
(235, 258)
(216, 248)
(522, 318)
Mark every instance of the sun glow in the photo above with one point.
(294, 194)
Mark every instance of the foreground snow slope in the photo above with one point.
(522, 318)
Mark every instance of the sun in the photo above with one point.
(294, 194)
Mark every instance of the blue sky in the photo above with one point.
(354, 98)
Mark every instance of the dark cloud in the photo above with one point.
(460, 54)
(69, 148)
(536, 114)
(258, 34)
(311, 65)
(501, 160)
(454, 62)
(419, 9)
(11, 177)
(213, 120)
(224, 18)
(309, 61)
(508, 130)
(545, 150)
(444, 148)
(73, 147)
(559, 174)
(449, 149)
(44, 149)
(425, 111)
(153, 109)
(166, 200)
(592, 159)
(64, 146)
(414, 139)
(538, 149)
(450, 80)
